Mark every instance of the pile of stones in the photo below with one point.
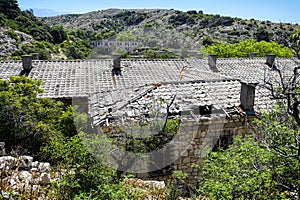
(22, 175)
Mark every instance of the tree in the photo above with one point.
(73, 52)
(281, 127)
(10, 8)
(85, 177)
(295, 43)
(244, 48)
(239, 172)
(58, 33)
(262, 34)
(207, 41)
(283, 83)
(280, 134)
(25, 119)
(123, 36)
(37, 126)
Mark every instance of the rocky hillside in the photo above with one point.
(12, 41)
(23, 33)
(171, 28)
(68, 36)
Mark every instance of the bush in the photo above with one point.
(41, 34)
(41, 127)
(44, 49)
(239, 172)
(206, 41)
(262, 35)
(12, 34)
(244, 48)
(2, 19)
(123, 36)
(79, 49)
(86, 177)
(26, 120)
(58, 34)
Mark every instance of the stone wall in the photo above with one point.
(24, 176)
(196, 139)
(207, 135)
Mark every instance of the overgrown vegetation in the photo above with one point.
(41, 127)
(257, 167)
(263, 166)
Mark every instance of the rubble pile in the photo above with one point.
(22, 175)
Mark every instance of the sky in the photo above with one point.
(273, 10)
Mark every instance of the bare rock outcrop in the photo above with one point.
(9, 44)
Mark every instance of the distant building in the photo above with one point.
(109, 46)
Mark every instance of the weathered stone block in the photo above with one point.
(186, 160)
(25, 176)
(7, 162)
(35, 164)
(25, 161)
(45, 179)
(44, 167)
(184, 153)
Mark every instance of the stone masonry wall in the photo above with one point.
(196, 139)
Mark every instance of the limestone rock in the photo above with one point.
(35, 164)
(35, 190)
(9, 45)
(6, 195)
(44, 167)
(34, 170)
(156, 184)
(12, 182)
(7, 162)
(25, 161)
(45, 179)
(25, 176)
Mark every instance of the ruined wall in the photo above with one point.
(196, 139)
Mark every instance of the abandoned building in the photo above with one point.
(216, 99)
(108, 45)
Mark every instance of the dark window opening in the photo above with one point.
(223, 142)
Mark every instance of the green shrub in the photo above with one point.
(12, 34)
(25, 119)
(244, 48)
(58, 34)
(239, 172)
